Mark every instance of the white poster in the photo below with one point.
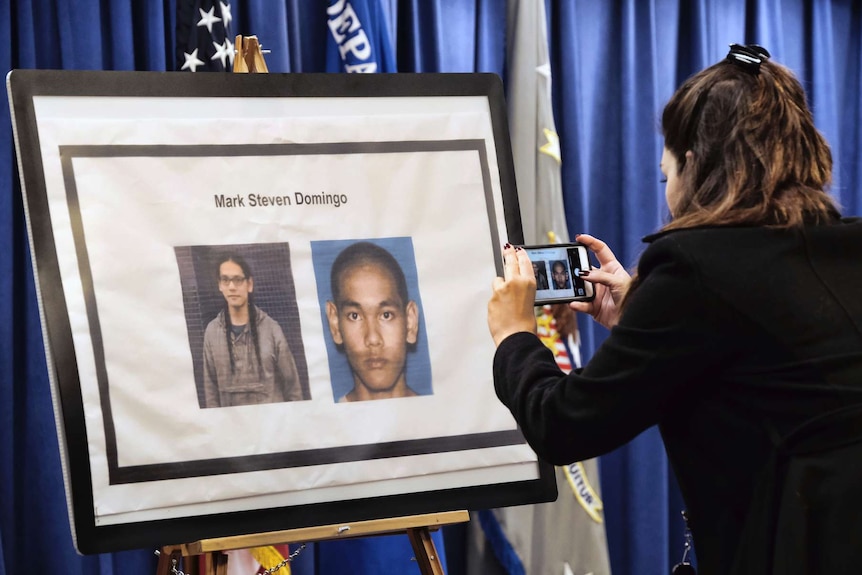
(276, 302)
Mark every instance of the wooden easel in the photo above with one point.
(249, 59)
(417, 527)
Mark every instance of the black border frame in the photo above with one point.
(23, 86)
(202, 467)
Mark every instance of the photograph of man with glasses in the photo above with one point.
(246, 358)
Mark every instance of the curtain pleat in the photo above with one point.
(490, 30)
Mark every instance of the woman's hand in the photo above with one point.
(611, 283)
(511, 308)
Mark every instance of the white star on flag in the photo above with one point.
(231, 51)
(208, 18)
(225, 13)
(192, 61)
(223, 52)
(204, 42)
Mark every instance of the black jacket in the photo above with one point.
(734, 340)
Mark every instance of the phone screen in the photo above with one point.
(557, 268)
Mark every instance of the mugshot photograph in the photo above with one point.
(246, 357)
(560, 275)
(373, 322)
(540, 271)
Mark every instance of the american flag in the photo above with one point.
(546, 325)
(203, 38)
(257, 560)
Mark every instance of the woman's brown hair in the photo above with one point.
(757, 158)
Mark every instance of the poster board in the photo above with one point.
(138, 185)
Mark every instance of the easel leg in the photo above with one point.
(215, 563)
(426, 553)
(192, 565)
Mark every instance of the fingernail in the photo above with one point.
(584, 273)
(507, 246)
(518, 248)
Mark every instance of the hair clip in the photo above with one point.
(749, 57)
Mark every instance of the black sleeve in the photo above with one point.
(667, 346)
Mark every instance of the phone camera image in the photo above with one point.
(558, 269)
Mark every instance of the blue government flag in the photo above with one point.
(358, 39)
(204, 42)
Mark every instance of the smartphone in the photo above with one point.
(558, 270)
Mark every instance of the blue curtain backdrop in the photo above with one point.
(614, 65)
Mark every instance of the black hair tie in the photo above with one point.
(748, 57)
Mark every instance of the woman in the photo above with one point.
(740, 334)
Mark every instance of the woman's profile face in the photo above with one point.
(670, 168)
